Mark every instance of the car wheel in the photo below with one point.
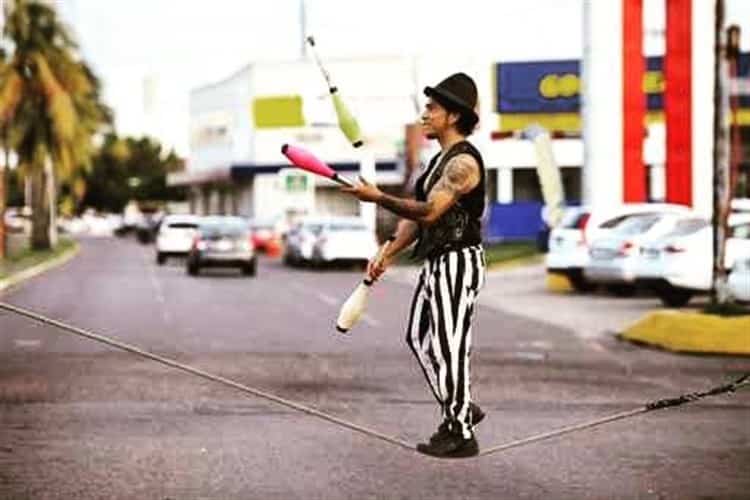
(251, 268)
(622, 290)
(160, 258)
(674, 297)
(581, 284)
(288, 260)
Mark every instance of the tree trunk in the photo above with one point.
(51, 179)
(39, 208)
(3, 195)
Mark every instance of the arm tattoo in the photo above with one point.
(460, 177)
(409, 209)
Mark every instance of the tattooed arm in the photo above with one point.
(460, 176)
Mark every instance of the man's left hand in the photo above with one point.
(364, 191)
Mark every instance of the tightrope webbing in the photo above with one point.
(654, 405)
(206, 375)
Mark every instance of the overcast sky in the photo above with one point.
(182, 44)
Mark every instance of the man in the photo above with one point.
(445, 222)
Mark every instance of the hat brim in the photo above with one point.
(446, 97)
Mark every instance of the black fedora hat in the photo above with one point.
(457, 92)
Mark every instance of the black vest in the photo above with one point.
(461, 225)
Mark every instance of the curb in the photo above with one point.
(515, 262)
(692, 332)
(15, 279)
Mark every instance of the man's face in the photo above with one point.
(436, 119)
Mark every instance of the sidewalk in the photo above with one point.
(524, 291)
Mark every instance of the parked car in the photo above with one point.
(18, 220)
(569, 241)
(266, 236)
(319, 241)
(739, 279)
(175, 236)
(614, 257)
(222, 241)
(679, 264)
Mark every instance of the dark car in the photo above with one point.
(222, 241)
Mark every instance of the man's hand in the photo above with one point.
(364, 191)
(377, 266)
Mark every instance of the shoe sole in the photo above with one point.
(468, 451)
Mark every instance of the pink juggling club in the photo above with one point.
(305, 160)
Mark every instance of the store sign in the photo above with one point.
(277, 111)
(548, 93)
(297, 189)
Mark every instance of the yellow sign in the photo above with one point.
(278, 111)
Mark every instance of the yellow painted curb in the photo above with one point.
(692, 332)
(558, 283)
(517, 262)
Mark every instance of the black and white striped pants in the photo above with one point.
(439, 330)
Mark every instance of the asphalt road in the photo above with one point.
(82, 420)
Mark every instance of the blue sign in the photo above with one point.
(555, 86)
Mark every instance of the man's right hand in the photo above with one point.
(377, 266)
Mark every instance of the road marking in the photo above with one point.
(27, 343)
(331, 301)
(157, 289)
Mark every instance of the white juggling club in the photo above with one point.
(355, 305)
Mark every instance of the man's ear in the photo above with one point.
(453, 118)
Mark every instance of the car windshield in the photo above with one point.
(182, 225)
(313, 228)
(637, 224)
(218, 229)
(687, 226)
(344, 226)
(573, 219)
(740, 231)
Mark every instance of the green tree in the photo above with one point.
(130, 169)
(50, 103)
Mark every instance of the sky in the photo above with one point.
(173, 46)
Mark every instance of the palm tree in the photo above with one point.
(50, 103)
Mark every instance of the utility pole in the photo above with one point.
(721, 168)
(303, 29)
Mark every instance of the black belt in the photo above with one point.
(451, 247)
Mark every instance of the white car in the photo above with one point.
(614, 258)
(322, 240)
(568, 252)
(175, 236)
(680, 264)
(739, 279)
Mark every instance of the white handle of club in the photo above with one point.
(342, 180)
(311, 41)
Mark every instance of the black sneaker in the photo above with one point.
(477, 415)
(454, 445)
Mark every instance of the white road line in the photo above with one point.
(27, 343)
(157, 290)
(331, 301)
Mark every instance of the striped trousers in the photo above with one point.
(439, 330)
